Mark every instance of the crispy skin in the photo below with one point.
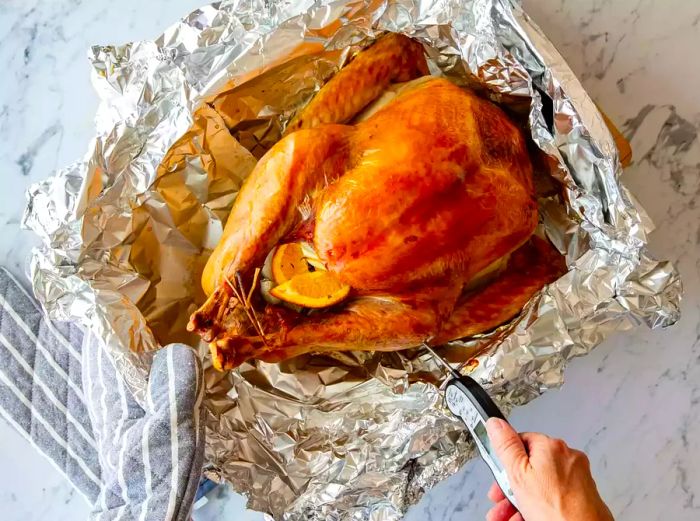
(267, 206)
(438, 187)
(407, 207)
(415, 191)
(529, 269)
(393, 58)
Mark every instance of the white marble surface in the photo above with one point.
(633, 404)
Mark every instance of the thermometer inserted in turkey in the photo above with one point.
(468, 401)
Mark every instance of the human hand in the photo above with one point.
(551, 481)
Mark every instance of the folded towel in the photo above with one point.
(60, 389)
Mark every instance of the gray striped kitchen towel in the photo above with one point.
(60, 389)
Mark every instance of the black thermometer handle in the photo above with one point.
(481, 400)
(468, 401)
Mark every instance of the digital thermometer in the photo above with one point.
(468, 401)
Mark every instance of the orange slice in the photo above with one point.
(316, 289)
(288, 262)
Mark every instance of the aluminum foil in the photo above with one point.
(182, 120)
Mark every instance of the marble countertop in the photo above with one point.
(633, 404)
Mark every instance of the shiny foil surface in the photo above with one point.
(182, 121)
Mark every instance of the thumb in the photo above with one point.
(507, 445)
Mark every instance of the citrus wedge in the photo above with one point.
(288, 262)
(316, 289)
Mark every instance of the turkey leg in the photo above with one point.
(389, 323)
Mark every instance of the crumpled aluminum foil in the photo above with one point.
(182, 120)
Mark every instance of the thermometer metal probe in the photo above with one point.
(468, 401)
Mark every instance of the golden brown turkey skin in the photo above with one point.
(406, 207)
(267, 206)
(392, 59)
(424, 187)
(438, 181)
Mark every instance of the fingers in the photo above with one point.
(517, 517)
(533, 437)
(495, 493)
(501, 511)
(507, 445)
(532, 440)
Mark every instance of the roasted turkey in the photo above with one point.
(422, 208)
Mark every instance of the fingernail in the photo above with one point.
(494, 425)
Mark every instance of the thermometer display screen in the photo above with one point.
(480, 432)
(473, 406)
